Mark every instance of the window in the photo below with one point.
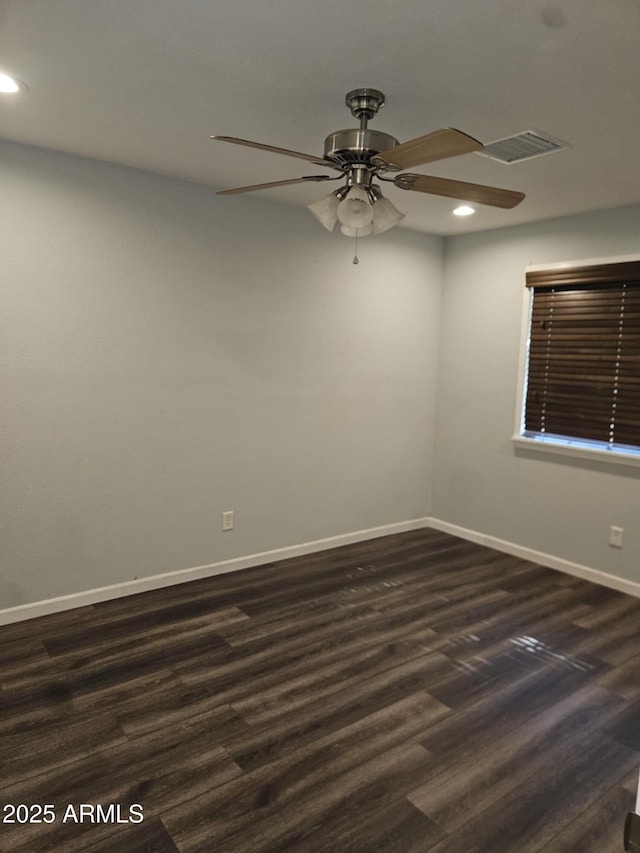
(583, 366)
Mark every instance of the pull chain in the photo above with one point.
(355, 257)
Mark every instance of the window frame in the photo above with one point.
(555, 445)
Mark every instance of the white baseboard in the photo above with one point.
(82, 599)
(119, 590)
(576, 569)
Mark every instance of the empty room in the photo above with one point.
(320, 426)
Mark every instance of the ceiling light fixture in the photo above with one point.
(359, 207)
(9, 85)
(464, 210)
(365, 211)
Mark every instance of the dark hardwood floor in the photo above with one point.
(408, 694)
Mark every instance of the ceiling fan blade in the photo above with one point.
(309, 157)
(493, 196)
(438, 145)
(276, 184)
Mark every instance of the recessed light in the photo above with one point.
(9, 85)
(464, 210)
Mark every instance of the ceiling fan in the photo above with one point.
(363, 156)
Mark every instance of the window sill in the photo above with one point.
(576, 449)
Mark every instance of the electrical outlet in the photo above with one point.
(227, 520)
(615, 536)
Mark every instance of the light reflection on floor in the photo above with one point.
(531, 647)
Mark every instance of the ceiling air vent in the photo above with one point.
(522, 146)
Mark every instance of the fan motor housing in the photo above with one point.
(356, 146)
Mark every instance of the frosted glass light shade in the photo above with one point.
(326, 210)
(385, 216)
(365, 231)
(355, 211)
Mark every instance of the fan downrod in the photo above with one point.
(364, 104)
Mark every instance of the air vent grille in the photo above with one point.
(522, 146)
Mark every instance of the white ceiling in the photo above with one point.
(145, 82)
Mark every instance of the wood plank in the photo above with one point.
(200, 615)
(515, 706)
(531, 814)
(29, 753)
(597, 829)
(319, 683)
(624, 680)
(396, 828)
(151, 837)
(41, 705)
(290, 731)
(50, 625)
(461, 792)
(148, 837)
(158, 770)
(229, 825)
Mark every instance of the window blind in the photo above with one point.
(583, 377)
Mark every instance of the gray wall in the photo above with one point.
(553, 504)
(167, 355)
